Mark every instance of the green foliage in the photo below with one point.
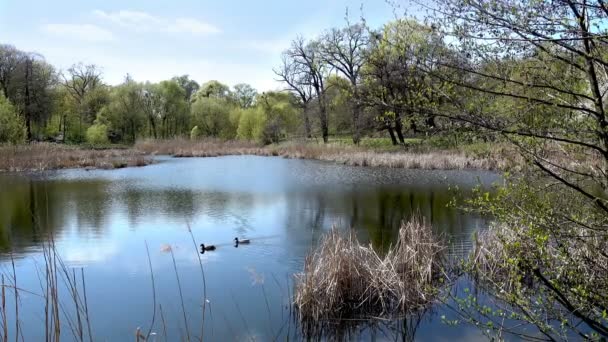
(12, 125)
(212, 116)
(213, 89)
(195, 133)
(251, 124)
(97, 134)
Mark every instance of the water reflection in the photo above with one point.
(100, 220)
(87, 206)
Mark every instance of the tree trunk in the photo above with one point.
(356, 114)
(307, 126)
(392, 134)
(399, 130)
(323, 117)
(28, 115)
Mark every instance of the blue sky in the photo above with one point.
(231, 41)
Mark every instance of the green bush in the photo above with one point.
(12, 125)
(97, 134)
(195, 133)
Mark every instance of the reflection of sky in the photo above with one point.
(102, 221)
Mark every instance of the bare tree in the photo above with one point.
(81, 79)
(345, 50)
(310, 69)
(298, 82)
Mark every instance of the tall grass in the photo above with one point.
(46, 156)
(345, 280)
(338, 153)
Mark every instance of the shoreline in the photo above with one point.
(50, 156)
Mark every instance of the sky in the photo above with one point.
(232, 41)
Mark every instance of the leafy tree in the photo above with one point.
(251, 124)
(190, 86)
(213, 89)
(212, 116)
(12, 125)
(394, 77)
(125, 111)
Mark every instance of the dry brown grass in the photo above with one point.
(347, 155)
(47, 156)
(343, 279)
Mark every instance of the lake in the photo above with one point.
(102, 220)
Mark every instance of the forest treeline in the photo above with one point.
(350, 81)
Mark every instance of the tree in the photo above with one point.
(244, 95)
(125, 111)
(212, 116)
(10, 59)
(12, 126)
(298, 82)
(279, 116)
(214, 89)
(394, 77)
(80, 81)
(306, 65)
(541, 64)
(339, 105)
(190, 86)
(345, 50)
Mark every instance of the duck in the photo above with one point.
(244, 241)
(207, 248)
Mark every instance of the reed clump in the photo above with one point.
(49, 156)
(343, 279)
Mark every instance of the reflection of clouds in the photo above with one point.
(256, 278)
(84, 253)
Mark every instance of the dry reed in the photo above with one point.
(47, 156)
(347, 155)
(343, 279)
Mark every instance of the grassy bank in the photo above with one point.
(47, 156)
(338, 153)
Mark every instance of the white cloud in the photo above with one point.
(272, 46)
(85, 32)
(192, 26)
(145, 22)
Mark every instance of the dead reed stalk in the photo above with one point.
(343, 279)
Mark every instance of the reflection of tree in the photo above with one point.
(376, 213)
(32, 208)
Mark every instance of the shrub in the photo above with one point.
(195, 133)
(97, 134)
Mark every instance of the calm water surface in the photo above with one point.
(102, 220)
